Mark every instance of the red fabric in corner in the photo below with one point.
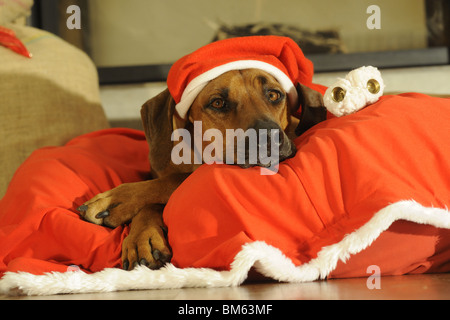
(40, 230)
(405, 248)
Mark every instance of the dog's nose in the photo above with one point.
(272, 137)
(269, 127)
(265, 124)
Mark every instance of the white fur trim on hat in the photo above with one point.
(197, 84)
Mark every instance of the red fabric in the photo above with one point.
(281, 52)
(40, 230)
(406, 247)
(346, 169)
(9, 40)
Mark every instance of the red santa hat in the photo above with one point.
(279, 56)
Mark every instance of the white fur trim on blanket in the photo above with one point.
(266, 259)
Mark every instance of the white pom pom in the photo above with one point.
(335, 95)
(369, 80)
(361, 87)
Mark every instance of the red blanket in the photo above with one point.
(40, 229)
(345, 196)
(346, 171)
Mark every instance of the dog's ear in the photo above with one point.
(157, 114)
(313, 109)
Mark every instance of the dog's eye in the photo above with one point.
(217, 103)
(274, 95)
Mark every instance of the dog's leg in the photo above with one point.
(119, 205)
(146, 243)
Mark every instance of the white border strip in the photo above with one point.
(268, 260)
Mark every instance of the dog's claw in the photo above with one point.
(165, 258)
(156, 254)
(143, 262)
(125, 265)
(102, 214)
(159, 256)
(82, 208)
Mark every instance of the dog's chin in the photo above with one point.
(290, 152)
(287, 150)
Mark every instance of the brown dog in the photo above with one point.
(242, 99)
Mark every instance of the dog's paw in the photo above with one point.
(112, 208)
(146, 243)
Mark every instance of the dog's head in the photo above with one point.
(247, 106)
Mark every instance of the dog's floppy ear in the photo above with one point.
(313, 109)
(157, 114)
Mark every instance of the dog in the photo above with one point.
(238, 99)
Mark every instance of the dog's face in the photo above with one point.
(243, 102)
(251, 100)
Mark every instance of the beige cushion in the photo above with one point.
(46, 100)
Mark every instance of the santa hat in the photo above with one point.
(279, 56)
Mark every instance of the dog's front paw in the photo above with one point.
(114, 207)
(146, 243)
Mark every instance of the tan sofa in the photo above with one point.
(46, 100)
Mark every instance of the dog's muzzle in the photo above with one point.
(272, 145)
